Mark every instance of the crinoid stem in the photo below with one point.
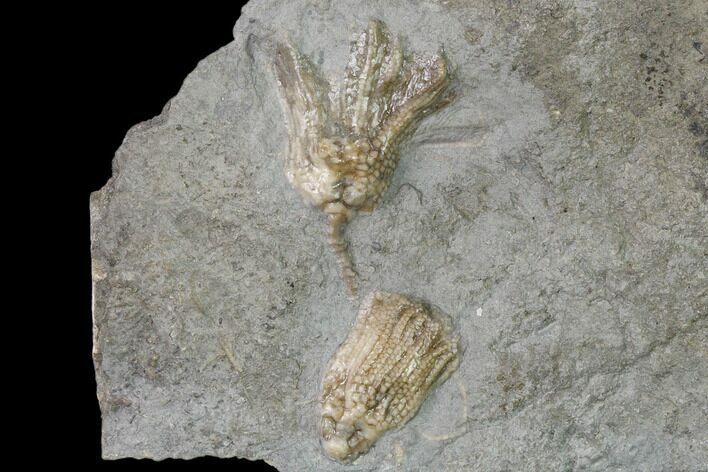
(337, 223)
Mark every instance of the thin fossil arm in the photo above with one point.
(362, 75)
(307, 112)
(421, 93)
(389, 77)
(391, 68)
(297, 84)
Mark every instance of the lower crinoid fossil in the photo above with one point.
(343, 140)
(397, 351)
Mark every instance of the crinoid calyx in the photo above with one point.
(343, 139)
(397, 351)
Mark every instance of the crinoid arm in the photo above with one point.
(384, 98)
(373, 65)
(419, 90)
(304, 97)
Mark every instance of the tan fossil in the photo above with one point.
(343, 139)
(397, 351)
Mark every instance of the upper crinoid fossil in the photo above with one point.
(397, 351)
(343, 139)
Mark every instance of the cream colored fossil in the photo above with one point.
(397, 351)
(343, 139)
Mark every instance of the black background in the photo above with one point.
(126, 62)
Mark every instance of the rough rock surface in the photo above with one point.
(558, 211)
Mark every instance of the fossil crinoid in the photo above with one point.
(397, 351)
(343, 139)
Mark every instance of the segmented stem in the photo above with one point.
(337, 222)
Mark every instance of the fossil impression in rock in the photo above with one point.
(397, 351)
(343, 138)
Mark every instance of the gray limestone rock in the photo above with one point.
(557, 211)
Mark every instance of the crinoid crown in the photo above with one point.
(343, 139)
(398, 350)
